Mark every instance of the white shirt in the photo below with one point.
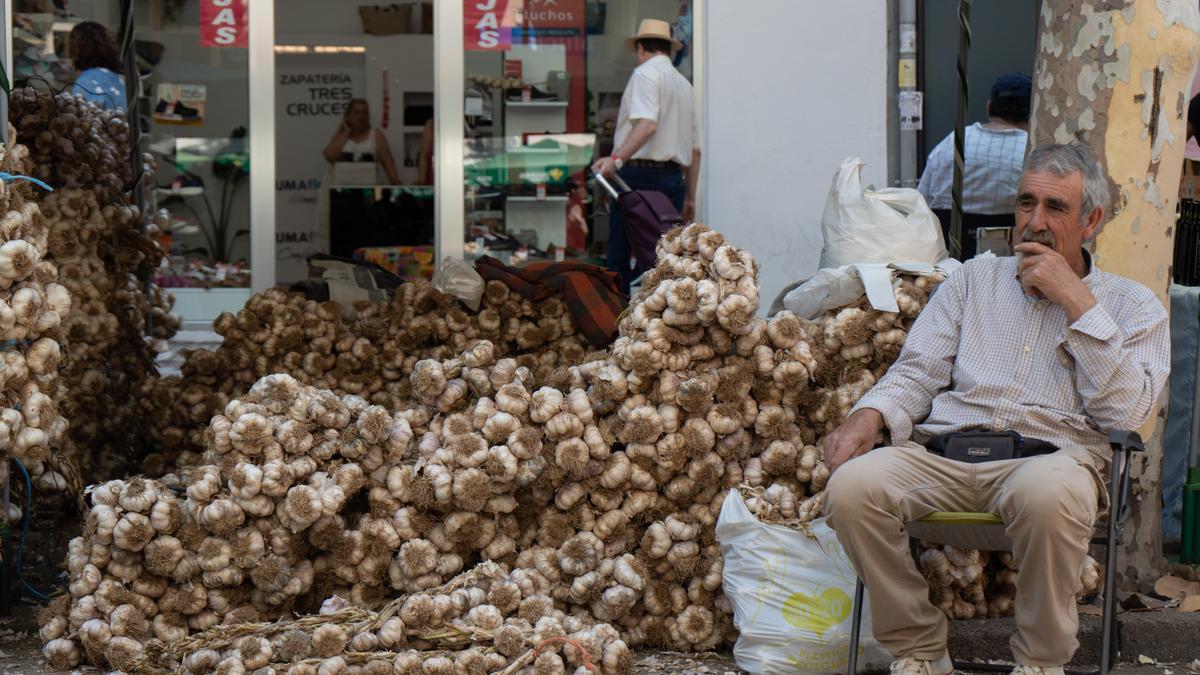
(984, 354)
(992, 161)
(658, 92)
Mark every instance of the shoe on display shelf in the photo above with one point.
(177, 108)
(535, 95)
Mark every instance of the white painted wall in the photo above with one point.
(792, 89)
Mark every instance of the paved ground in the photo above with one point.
(20, 655)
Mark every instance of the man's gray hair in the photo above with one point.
(1064, 159)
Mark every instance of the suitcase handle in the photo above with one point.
(608, 187)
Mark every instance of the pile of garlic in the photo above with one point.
(96, 240)
(486, 620)
(967, 584)
(595, 485)
(311, 495)
(73, 141)
(33, 309)
(369, 353)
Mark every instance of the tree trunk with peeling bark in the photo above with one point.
(1117, 76)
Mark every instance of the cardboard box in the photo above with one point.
(386, 19)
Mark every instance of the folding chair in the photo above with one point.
(985, 531)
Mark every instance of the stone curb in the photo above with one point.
(1165, 636)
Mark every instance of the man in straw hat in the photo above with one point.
(656, 141)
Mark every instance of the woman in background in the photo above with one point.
(94, 55)
(357, 141)
(354, 141)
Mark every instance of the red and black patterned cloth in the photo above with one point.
(592, 293)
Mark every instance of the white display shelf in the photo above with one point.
(536, 104)
(534, 200)
(206, 304)
(529, 150)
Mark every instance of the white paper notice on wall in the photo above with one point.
(911, 107)
(908, 38)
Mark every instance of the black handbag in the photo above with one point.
(987, 446)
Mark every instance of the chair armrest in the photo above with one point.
(1126, 441)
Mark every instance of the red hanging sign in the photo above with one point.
(487, 25)
(223, 23)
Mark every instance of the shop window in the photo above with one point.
(191, 105)
(194, 110)
(544, 80)
(353, 124)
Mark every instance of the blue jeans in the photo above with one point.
(668, 181)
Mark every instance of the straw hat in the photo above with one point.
(653, 28)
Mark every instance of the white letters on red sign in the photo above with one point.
(483, 21)
(223, 23)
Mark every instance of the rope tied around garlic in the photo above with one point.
(587, 657)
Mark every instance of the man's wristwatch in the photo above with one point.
(617, 161)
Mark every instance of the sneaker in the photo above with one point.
(535, 94)
(186, 111)
(911, 666)
(1022, 669)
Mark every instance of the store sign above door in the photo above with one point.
(223, 23)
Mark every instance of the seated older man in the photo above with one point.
(1044, 344)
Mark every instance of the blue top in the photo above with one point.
(102, 87)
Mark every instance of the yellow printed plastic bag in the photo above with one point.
(792, 596)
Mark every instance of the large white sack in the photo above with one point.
(877, 226)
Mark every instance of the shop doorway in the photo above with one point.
(353, 136)
(543, 86)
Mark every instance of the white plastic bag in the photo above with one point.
(827, 289)
(841, 286)
(877, 226)
(792, 596)
(458, 278)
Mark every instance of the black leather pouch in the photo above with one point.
(977, 446)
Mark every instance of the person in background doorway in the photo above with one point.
(94, 55)
(577, 227)
(357, 141)
(425, 155)
(993, 155)
(656, 141)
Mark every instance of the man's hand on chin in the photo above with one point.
(1044, 273)
(855, 436)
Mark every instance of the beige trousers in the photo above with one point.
(1048, 504)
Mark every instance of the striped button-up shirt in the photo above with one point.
(992, 165)
(983, 354)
